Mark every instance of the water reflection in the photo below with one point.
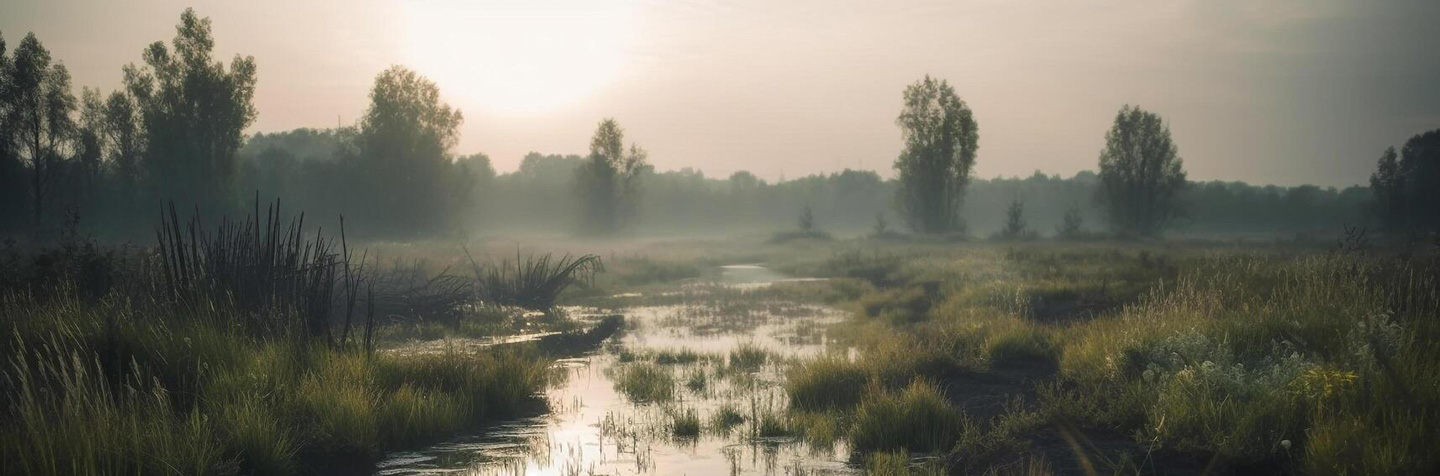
(593, 429)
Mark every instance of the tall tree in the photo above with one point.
(1406, 186)
(12, 171)
(403, 152)
(941, 138)
(1141, 173)
(609, 180)
(41, 108)
(194, 112)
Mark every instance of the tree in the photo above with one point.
(941, 138)
(1406, 186)
(40, 113)
(12, 171)
(1071, 226)
(1014, 221)
(807, 220)
(194, 112)
(1141, 173)
(403, 165)
(609, 179)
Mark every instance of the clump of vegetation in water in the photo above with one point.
(686, 424)
(532, 282)
(748, 358)
(727, 417)
(646, 383)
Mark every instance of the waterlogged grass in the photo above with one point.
(645, 383)
(748, 358)
(116, 389)
(1309, 362)
(686, 424)
(829, 382)
(726, 418)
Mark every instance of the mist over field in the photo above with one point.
(719, 237)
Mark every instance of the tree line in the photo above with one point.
(176, 129)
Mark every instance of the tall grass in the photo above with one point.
(268, 270)
(118, 388)
(532, 282)
(916, 419)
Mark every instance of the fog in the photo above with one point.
(1290, 92)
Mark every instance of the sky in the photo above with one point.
(1285, 92)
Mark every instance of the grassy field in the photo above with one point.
(970, 357)
(1094, 358)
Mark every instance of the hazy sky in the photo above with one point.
(1281, 92)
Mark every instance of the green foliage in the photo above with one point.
(195, 112)
(609, 180)
(1071, 226)
(941, 138)
(400, 170)
(1015, 228)
(1404, 185)
(1141, 173)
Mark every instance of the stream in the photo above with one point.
(593, 428)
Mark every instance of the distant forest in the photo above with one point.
(175, 133)
(540, 197)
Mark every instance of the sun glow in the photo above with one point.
(520, 57)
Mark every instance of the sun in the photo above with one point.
(523, 57)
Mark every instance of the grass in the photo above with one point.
(726, 417)
(686, 424)
(1299, 360)
(126, 388)
(532, 282)
(645, 383)
(825, 383)
(917, 419)
(748, 358)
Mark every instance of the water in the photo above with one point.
(594, 429)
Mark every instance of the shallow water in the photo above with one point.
(592, 428)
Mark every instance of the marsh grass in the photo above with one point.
(531, 281)
(645, 383)
(916, 419)
(1256, 356)
(112, 388)
(686, 424)
(726, 417)
(748, 358)
(828, 382)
